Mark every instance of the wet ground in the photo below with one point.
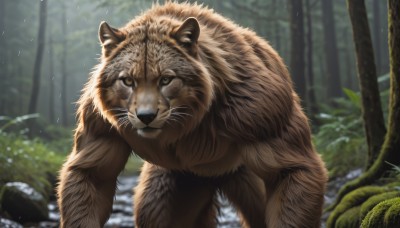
(122, 217)
(122, 209)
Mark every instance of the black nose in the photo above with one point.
(146, 117)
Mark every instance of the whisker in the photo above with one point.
(181, 114)
(174, 120)
(117, 109)
(120, 114)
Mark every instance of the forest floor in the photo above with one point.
(122, 214)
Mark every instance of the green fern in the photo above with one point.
(340, 138)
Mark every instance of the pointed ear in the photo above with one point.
(109, 37)
(188, 33)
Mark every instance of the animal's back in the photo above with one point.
(228, 37)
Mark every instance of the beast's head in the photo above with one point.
(150, 79)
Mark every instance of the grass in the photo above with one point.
(28, 161)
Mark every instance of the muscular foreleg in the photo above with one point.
(88, 181)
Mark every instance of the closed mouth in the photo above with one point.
(149, 132)
(149, 129)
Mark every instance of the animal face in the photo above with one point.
(153, 83)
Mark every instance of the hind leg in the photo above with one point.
(165, 198)
(295, 182)
(246, 191)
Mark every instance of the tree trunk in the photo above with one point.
(297, 48)
(3, 56)
(331, 56)
(377, 34)
(21, 87)
(348, 83)
(51, 80)
(389, 153)
(374, 125)
(312, 101)
(276, 27)
(391, 147)
(64, 108)
(39, 56)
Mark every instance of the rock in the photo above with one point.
(48, 224)
(23, 203)
(5, 223)
(120, 220)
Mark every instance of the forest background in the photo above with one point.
(48, 49)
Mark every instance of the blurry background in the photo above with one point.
(71, 46)
(44, 64)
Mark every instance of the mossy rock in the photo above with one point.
(23, 203)
(384, 215)
(375, 200)
(353, 199)
(349, 219)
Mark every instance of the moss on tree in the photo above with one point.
(384, 215)
(375, 200)
(353, 199)
(393, 185)
(392, 215)
(349, 219)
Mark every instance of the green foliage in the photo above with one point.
(386, 215)
(353, 96)
(9, 122)
(340, 139)
(60, 139)
(353, 199)
(396, 170)
(28, 161)
(25, 160)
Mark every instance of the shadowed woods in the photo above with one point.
(342, 57)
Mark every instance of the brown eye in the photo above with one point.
(127, 81)
(165, 81)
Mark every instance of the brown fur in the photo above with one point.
(226, 118)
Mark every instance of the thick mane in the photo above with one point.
(247, 74)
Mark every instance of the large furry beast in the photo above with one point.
(210, 107)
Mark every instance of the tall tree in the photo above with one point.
(64, 106)
(371, 104)
(3, 46)
(38, 59)
(331, 54)
(389, 153)
(277, 30)
(297, 62)
(51, 80)
(348, 66)
(377, 32)
(312, 101)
